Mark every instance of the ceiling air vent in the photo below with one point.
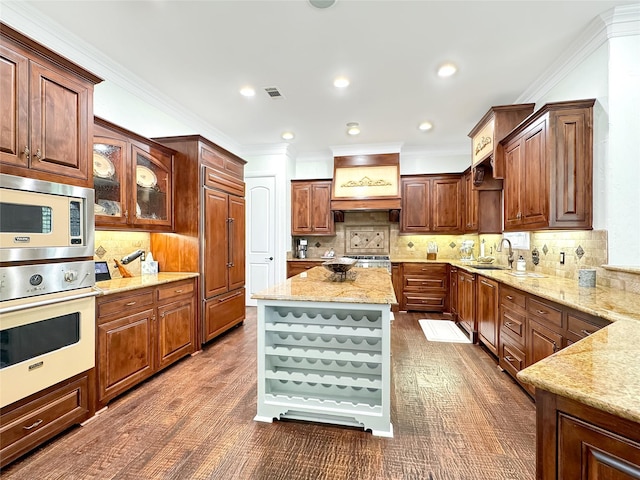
(273, 92)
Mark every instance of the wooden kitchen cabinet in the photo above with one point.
(210, 223)
(311, 208)
(548, 164)
(425, 287)
(40, 417)
(132, 179)
(47, 111)
(487, 313)
(482, 209)
(532, 328)
(467, 303)
(578, 441)
(470, 202)
(296, 267)
(431, 204)
(140, 332)
(453, 292)
(396, 280)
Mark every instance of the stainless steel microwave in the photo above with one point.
(44, 220)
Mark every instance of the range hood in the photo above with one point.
(366, 182)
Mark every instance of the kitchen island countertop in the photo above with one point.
(370, 285)
(117, 285)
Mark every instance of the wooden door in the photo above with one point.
(59, 110)
(541, 341)
(446, 209)
(470, 205)
(571, 172)
(321, 216)
(487, 313)
(14, 107)
(416, 205)
(126, 351)
(175, 331)
(513, 180)
(216, 243)
(534, 188)
(586, 451)
(236, 245)
(301, 223)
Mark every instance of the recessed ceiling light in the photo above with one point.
(247, 91)
(425, 126)
(353, 128)
(341, 82)
(288, 135)
(322, 3)
(447, 69)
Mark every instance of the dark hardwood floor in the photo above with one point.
(455, 417)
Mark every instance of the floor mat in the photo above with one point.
(443, 331)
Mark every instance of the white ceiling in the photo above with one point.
(198, 55)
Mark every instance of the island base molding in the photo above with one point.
(325, 362)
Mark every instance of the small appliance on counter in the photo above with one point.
(466, 251)
(301, 248)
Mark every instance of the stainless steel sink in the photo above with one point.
(482, 266)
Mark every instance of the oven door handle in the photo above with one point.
(43, 303)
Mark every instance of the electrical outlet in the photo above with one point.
(143, 256)
(561, 258)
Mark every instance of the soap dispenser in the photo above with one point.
(521, 265)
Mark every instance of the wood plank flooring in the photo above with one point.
(455, 416)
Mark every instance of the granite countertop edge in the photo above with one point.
(119, 285)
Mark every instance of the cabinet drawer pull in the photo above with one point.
(131, 303)
(179, 290)
(507, 324)
(541, 312)
(34, 425)
(509, 297)
(509, 358)
(586, 332)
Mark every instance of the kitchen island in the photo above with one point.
(324, 349)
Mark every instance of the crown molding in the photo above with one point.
(617, 22)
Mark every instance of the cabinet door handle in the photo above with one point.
(38, 154)
(586, 332)
(27, 152)
(34, 425)
(131, 303)
(555, 347)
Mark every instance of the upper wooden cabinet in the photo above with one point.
(311, 208)
(491, 128)
(431, 204)
(46, 112)
(132, 178)
(548, 164)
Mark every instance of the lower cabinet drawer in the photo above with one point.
(425, 302)
(512, 358)
(513, 322)
(33, 423)
(222, 313)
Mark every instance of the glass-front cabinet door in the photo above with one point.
(152, 199)
(110, 181)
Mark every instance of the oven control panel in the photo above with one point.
(30, 280)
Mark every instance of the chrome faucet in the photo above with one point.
(510, 257)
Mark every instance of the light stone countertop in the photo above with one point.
(371, 285)
(118, 285)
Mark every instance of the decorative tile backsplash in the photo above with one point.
(115, 245)
(367, 239)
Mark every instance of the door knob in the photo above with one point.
(269, 258)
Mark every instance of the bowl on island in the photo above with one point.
(339, 265)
